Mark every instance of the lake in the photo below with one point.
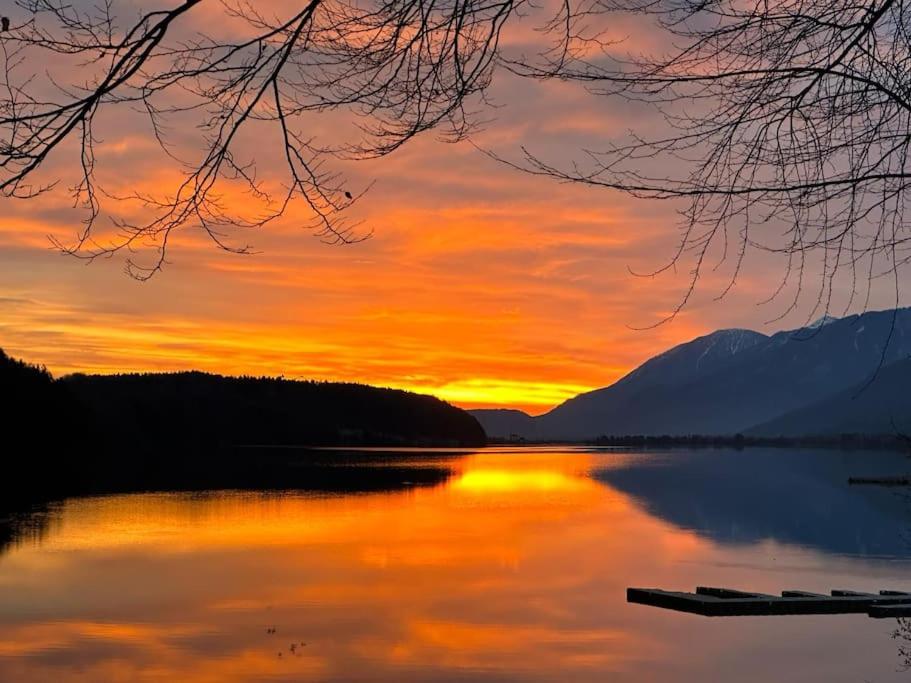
(488, 565)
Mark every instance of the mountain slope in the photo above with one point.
(731, 380)
(880, 407)
(701, 356)
(638, 403)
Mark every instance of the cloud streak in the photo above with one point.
(482, 285)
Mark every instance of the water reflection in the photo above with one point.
(25, 514)
(510, 567)
(789, 496)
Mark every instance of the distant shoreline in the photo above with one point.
(892, 442)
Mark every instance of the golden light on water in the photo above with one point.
(481, 481)
(516, 564)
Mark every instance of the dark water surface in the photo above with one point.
(493, 565)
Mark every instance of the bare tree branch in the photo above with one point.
(401, 67)
(787, 130)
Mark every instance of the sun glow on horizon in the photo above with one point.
(532, 397)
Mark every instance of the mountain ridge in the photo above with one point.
(880, 406)
(729, 381)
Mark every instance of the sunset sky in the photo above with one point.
(480, 284)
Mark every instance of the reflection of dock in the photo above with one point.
(726, 602)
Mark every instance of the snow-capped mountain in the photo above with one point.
(731, 380)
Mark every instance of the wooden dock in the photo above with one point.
(727, 602)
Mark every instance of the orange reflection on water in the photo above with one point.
(514, 569)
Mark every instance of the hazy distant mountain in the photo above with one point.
(878, 407)
(505, 423)
(729, 381)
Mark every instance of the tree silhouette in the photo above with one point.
(401, 67)
(786, 128)
(785, 124)
(200, 411)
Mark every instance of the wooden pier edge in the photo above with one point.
(727, 602)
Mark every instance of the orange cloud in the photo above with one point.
(481, 284)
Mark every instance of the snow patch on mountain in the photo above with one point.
(727, 343)
(822, 322)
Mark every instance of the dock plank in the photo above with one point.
(726, 602)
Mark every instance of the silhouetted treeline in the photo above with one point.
(83, 435)
(194, 409)
(189, 426)
(34, 409)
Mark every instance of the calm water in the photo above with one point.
(503, 566)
